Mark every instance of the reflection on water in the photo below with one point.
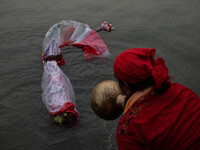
(170, 27)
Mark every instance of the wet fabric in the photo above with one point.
(58, 93)
(162, 122)
(72, 33)
(52, 52)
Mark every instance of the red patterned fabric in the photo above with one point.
(137, 64)
(170, 121)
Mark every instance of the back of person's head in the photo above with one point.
(139, 69)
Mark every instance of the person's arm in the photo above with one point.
(128, 138)
(124, 143)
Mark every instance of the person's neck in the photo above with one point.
(138, 96)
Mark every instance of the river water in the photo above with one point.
(172, 27)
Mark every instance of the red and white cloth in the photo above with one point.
(77, 34)
(58, 94)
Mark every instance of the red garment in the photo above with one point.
(137, 64)
(170, 121)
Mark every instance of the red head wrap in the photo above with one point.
(137, 64)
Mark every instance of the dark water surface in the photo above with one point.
(172, 27)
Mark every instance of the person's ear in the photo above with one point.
(127, 88)
(125, 84)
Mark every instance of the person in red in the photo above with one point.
(158, 114)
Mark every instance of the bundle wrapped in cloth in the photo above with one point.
(58, 94)
(73, 33)
(107, 100)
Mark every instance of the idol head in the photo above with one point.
(107, 100)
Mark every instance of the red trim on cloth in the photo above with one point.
(92, 45)
(66, 43)
(67, 107)
(63, 44)
(86, 48)
(88, 51)
(61, 62)
(58, 58)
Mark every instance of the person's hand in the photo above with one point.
(121, 100)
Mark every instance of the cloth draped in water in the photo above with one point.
(76, 34)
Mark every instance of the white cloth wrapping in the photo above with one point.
(57, 88)
(77, 34)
